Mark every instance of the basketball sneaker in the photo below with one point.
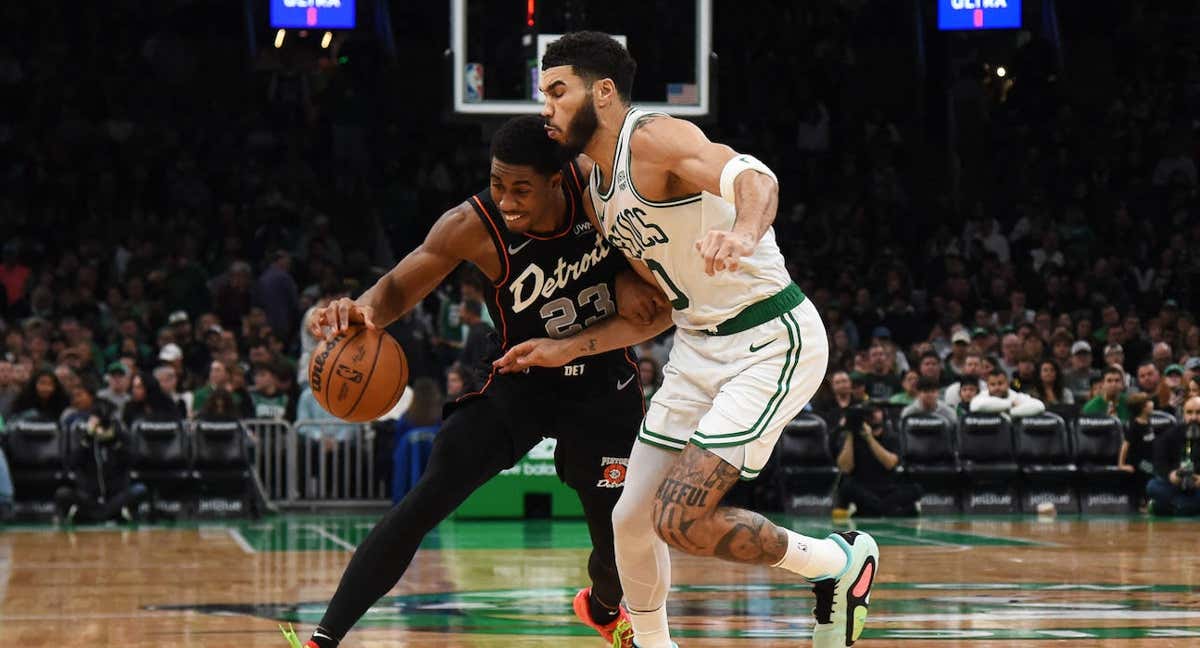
(843, 599)
(293, 641)
(618, 633)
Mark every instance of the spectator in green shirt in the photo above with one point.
(1111, 401)
(908, 389)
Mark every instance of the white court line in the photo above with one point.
(1020, 542)
(329, 536)
(99, 615)
(908, 539)
(240, 540)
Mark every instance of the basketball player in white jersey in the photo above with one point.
(694, 217)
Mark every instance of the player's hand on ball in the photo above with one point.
(538, 352)
(338, 316)
(723, 250)
(638, 301)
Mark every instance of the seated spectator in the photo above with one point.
(927, 403)
(1150, 382)
(84, 403)
(42, 398)
(147, 402)
(1175, 489)
(269, 402)
(1050, 388)
(1079, 377)
(868, 460)
(456, 382)
(967, 392)
(1173, 381)
(1111, 401)
(999, 399)
(841, 398)
(908, 389)
(218, 379)
(117, 392)
(168, 378)
(103, 489)
(960, 344)
(1025, 379)
(930, 366)
(970, 374)
(1137, 448)
(219, 406)
(880, 381)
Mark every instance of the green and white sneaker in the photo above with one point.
(843, 599)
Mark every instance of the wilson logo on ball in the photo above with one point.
(318, 362)
(353, 375)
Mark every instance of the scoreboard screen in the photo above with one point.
(312, 14)
(954, 15)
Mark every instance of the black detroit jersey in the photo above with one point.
(555, 285)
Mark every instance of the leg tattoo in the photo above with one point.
(687, 515)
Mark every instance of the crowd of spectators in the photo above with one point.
(170, 217)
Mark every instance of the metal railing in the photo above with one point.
(317, 463)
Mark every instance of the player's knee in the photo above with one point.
(628, 519)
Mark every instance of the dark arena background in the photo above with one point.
(986, 201)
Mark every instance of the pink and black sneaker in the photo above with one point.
(843, 599)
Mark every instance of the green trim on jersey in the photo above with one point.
(673, 202)
(599, 173)
(761, 312)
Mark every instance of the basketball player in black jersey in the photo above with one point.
(551, 276)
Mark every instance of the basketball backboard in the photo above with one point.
(496, 49)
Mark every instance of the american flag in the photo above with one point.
(682, 93)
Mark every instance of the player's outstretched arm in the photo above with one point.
(612, 333)
(448, 243)
(680, 148)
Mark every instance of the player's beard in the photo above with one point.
(583, 125)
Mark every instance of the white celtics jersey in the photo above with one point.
(664, 235)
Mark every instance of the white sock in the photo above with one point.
(650, 628)
(812, 558)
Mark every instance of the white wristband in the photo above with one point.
(735, 167)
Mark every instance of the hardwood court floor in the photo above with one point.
(948, 582)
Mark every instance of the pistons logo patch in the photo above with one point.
(613, 473)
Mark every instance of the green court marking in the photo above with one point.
(964, 611)
(341, 532)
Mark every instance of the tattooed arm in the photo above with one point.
(612, 333)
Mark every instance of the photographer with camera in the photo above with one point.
(1176, 488)
(100, 464)
(868, 462)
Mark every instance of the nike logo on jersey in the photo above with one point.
(622, 384)
(514, 249)
(754, 348)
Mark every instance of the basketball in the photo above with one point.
(359, 375)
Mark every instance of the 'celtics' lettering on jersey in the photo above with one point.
(663, 234)
(634, 235)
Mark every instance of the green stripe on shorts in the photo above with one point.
(781, 391)
(660, 441)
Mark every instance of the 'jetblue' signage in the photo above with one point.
(979, 14)
(313, 14)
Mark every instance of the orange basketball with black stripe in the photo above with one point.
(359, 375)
